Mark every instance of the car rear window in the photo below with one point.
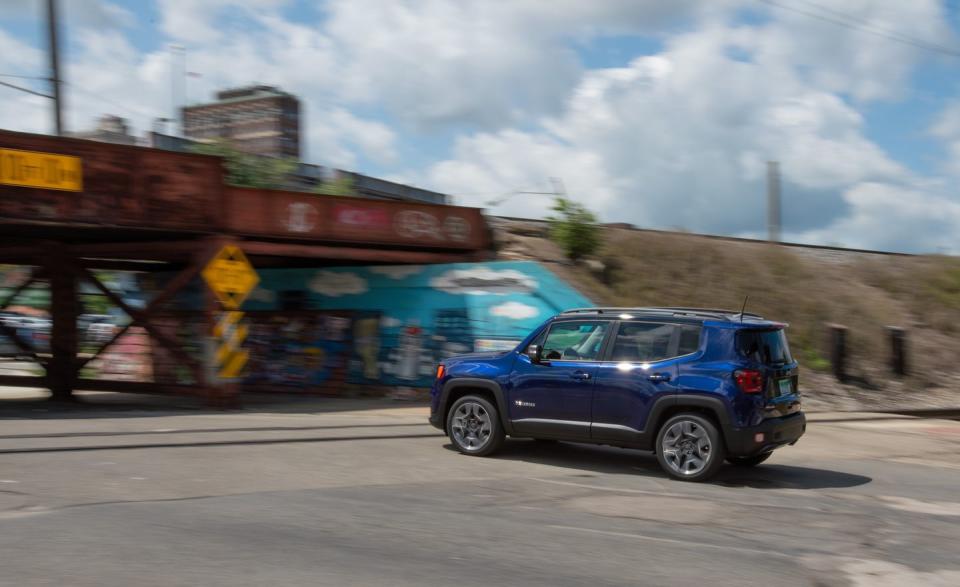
(765, 346)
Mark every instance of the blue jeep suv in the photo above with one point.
(695, 386)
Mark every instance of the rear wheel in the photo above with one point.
(689, 448)
(473, 426)
(749, 461)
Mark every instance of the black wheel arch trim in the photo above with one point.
(486, 384)
(681, 400)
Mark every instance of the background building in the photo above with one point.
(257, 119)
(110, 129)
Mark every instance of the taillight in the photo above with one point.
(749, 380)
(440, 371)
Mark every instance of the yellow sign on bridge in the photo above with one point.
(230, 276)
(47, 171)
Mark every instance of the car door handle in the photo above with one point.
(656, 377)
(580, 376)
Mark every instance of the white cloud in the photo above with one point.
(895, 218)
(515, 311)
(203, 20)
(390, 322)
(94, 14)
(334, 284)
(947, 129)
(483, 281)
(681, 139)
(335, 134)
(397, 271)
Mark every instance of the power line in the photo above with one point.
(851, 22)
(27, 90)
(110, 101)
(30, 77)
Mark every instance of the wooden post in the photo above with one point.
(64, 309)
(838, 351)
(898, 350)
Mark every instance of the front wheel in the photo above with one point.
(474, 427)
(689, 448)
(749, 461)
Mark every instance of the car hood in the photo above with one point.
(475, 357)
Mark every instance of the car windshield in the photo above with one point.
(765, 346)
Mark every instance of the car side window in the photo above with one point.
(689, 339)
(643, 342)
(574, 341)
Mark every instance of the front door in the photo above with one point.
(553, 398)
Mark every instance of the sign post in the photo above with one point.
(231, 278)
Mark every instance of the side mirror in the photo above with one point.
(533, 351)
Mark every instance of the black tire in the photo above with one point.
(749, 461)
(469, 436)
(686, 439)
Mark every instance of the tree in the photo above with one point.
(341, 186)
(246, 170)
(574, 228)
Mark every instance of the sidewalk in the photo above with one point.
(30, 403)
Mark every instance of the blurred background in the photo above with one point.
(237, 237)
(666, 141)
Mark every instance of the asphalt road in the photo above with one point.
(364, 493)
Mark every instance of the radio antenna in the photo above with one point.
(743, 308)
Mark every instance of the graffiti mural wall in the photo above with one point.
(390, 325)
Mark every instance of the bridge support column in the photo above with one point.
(64, 310)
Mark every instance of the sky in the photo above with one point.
(661, 113)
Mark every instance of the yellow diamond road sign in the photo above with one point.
(230, 276)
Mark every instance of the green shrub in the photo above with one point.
(574, 228)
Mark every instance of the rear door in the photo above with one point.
(553, 398)
(640, 368)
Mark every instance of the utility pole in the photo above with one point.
(55, 80)
(773, 201)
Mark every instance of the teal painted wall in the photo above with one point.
(390, 325)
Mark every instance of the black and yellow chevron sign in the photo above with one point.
(230, 332)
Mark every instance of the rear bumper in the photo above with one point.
(776, 433)
(435, 420)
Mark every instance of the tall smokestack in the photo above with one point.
(773, 201)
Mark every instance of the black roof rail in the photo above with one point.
(599, 310)
(706, 312)
(709, 311)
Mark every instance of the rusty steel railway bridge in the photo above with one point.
(162, 212)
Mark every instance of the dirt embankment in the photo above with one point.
(809, 288)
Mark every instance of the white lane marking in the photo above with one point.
(874, 573)
(8, 481)
(687, 543)
(667, 494)
(935, 508)
(597, 487)
(138, 478)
